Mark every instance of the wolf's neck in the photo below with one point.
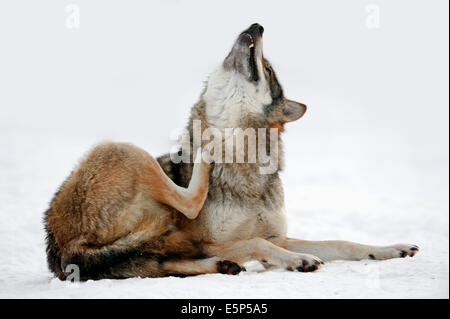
(244, 179)
(249, 146)
(228, 100)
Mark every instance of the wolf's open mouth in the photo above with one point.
(252, 64)
(252, 58)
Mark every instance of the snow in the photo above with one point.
(367, 163)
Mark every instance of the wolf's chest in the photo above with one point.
(233, 222)
(242, 207)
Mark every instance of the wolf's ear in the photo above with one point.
(292, 110)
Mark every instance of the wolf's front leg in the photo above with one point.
(267, 253)
(344, 250)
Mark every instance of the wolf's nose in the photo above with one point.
(258, 27)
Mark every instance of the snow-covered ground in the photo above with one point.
(367, 163)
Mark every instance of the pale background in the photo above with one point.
(368, 162)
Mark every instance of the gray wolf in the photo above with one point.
(122, 213)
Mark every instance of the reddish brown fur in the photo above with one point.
(117, 198)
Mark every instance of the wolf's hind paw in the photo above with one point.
(228, 267)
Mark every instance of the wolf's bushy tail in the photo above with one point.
(110, 261)
(121, 260)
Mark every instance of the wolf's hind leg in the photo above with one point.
(189, 201)
(201, 266)
(344, 250)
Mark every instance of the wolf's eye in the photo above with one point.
(268, 70)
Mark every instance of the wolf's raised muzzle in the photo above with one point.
(245, 53)
(251, 35)
(256, 28)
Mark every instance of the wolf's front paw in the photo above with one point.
(228, 267)
(404, 250)
(395, 251)
(306, 263)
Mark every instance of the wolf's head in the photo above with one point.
(245, 89)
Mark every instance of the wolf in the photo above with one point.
(122, 213)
